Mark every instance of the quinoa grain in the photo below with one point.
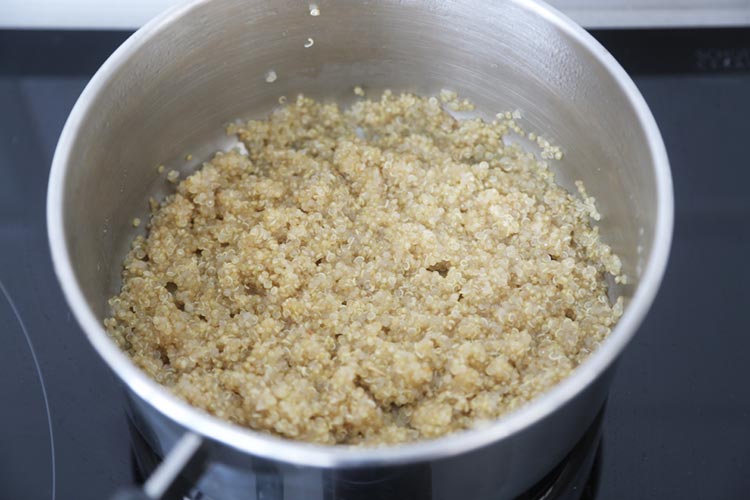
(374, 275)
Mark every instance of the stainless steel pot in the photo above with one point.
(171, 87)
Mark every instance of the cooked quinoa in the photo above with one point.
(374, 275)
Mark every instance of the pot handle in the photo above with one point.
(175, 476)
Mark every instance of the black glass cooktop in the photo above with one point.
(677, 424)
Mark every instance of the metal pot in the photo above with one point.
(169, 90)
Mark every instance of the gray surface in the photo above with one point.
(89, 427)
(678, 421)
(24, 446)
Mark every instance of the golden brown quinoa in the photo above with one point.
(376, 275)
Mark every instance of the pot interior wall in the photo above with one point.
(185, 80)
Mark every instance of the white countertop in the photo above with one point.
(130, 14)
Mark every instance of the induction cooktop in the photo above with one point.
(677, 423)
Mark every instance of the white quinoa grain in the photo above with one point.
(366, 276)
(452, 102)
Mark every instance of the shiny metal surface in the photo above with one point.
(171, 87)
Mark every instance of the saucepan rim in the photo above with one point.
(330, 456)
